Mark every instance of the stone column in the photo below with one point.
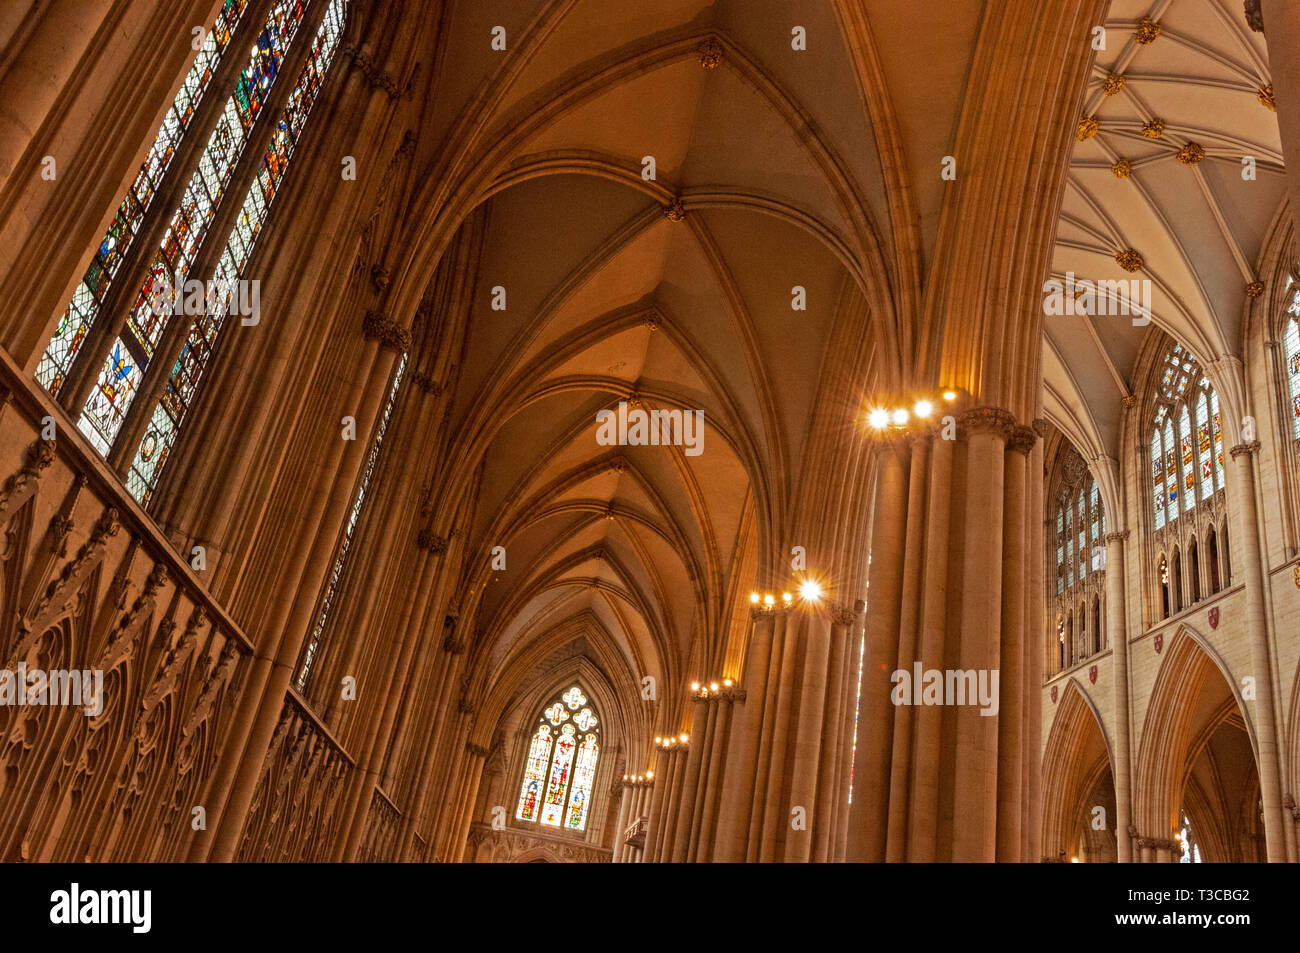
(704, 778)
(685, 809)
(923, 812)
(754, 834)
(1117, 633)
(665, 765)
(974, 838)
(776, 807)
(1014, 687)
(624, 808)
(869, 813)
(706, 846)
(1247, 557)
(835, 750)
(809, 749)
(746, 727)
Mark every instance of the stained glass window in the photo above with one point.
(169, 413)
(1079, 549)
(340, 561)
(1291, 342)
(558, 786)
(560, 771)
(584, 773)
(534, 774)
(1187, 426)
(160, 294)
(88, 297)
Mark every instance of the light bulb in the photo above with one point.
(878, 419)
(900, 417)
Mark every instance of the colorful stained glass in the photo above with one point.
(558, 785)
(556, 714)
(539, 751)
(559, 774)
(1292, 343)
(584, 774)
(574, 698)
(84, 307)
(201, 339)
(160, 295)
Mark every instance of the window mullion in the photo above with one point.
(131, 274)
(228, 209)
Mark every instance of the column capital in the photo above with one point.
(391, 335)
(1117, 537)
(1250, 447)
(1022, 440)
(991, 420)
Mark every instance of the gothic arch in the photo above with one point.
(1076, 759)
(1194, 695)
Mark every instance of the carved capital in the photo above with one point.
(463, 706)
(453, 647)
(477, 751)
(1120, 536)
(1022, 440)
(841, 614)
(990, 420)
(1249, 447)
(391, 335)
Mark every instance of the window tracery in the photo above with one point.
(560, 769)
(1186, 485)
(1076, 536)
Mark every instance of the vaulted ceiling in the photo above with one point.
(647, 553)
(1199, 226)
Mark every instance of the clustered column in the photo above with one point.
(954, 590)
